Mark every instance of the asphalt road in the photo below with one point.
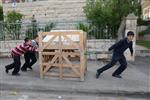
(24, 95)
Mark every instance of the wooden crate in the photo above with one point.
(62, 53)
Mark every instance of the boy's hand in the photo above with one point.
(36, 50)
(109, 49)
(132, 57)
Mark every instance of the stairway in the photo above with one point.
(66, 12)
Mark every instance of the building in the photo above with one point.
(0, 2)
(146, 9)
(48, 10)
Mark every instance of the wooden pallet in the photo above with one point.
(62, 53)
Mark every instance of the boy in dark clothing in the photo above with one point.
(118, 50)
(30, 56)
(16, 53)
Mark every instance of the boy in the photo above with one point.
(118, 50)
(30, 56)
(16, 53)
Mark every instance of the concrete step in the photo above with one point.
(142, 53)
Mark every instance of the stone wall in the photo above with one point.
(6, 46)
(145, 37)
(92, 46)
(51, 10)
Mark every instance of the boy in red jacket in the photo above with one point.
(16, 53)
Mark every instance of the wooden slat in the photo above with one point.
(63, 53)
(64, 75)
(40, 55)
(63, 65)
(56, 47)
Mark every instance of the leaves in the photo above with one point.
(109, 13)
(13, 17)
(13, 24)
(1, 13)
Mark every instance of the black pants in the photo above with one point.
(30, 59)
(115, 59)
(16, 65)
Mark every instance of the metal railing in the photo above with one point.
(18, 31)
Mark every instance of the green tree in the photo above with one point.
(1, 13)
(109, 13)
(13, 24)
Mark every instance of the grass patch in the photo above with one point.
(144, 43)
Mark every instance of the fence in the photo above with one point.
(18, 31)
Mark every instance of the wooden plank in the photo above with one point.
(60, 57)
(63, 65)
(64, 75)
(81, 57)
(69, 63)
(66, 32)
(40, 55)
(56, 47)
(48, 33)
(63, 53)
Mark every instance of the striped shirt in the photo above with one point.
(21, 49)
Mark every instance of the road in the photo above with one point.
(26, 95)
(142, 64)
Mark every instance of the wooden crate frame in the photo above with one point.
(54, 55)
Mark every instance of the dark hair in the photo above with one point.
(26, 39)
(35, 36)
(130, 33)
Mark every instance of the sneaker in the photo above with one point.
(117, 76)
(98, 74)
(24, 70)
(30, 68)
(15, 74)
(6, 70)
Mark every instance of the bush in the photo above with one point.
(13, 17)
(1, 13)
(34, 28)
(140, 22)
(49, 26)
(145, 32)
(13, 24)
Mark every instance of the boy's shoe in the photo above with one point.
(98, 74)
(6, 70)
(117, 76)
(24, 70)
(15, 74)
(30, 68)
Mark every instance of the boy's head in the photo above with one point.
(27, 41)
(130, 35)
(36, 38)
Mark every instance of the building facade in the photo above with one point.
(48, 10)
(146, 9)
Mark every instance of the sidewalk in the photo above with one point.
(142, 51)
(134, 81)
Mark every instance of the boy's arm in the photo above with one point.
(115, 45)
(131, 48)
(30, 48)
